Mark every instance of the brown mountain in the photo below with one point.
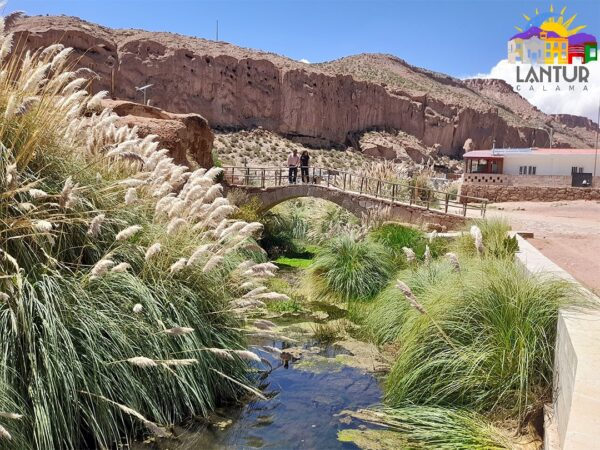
(320, 104)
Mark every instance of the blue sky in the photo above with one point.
(457, 37)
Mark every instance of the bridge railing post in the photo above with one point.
(328, 178)
(393, 192)
(378, 189)
(247, 176)
(262, 178)
(446, 202)
(344, 188)
(464, 212)
(362, 180)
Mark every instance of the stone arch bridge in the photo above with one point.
(362, 196)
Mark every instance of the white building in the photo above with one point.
(533, 161)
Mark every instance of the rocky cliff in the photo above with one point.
(329, 103)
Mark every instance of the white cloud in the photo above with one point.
(550, 101)
(305, 61)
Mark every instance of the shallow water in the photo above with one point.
(301, 413)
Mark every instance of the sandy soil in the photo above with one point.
(566, 232)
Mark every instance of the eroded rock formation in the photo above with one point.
(188, 137)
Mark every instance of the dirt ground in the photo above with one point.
(566, 232)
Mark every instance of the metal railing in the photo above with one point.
(404, 193)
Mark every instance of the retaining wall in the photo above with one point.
(505, 193)
(573, 420)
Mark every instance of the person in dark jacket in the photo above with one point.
(304, 159)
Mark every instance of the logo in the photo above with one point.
(551, 38)
(551, 48)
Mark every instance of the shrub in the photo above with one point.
(248, 207)
(283, 232)
(347, 269)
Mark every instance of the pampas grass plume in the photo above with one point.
(153, 250)
(128, 233)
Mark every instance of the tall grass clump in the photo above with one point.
(348, 269)
(122, 280)
(395, 237)
(423, 427)
(385, 318)
(494, 233)
(486, 344)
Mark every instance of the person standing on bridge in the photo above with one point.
(304, 159)
(293, 163)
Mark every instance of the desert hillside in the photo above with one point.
(321, 105)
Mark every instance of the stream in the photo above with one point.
(304, 399)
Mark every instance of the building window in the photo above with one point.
(576, 170)
(564, 46)
(547, 54)
(556, 45)
(526, 170)
(518, 46)
(548, 45)
(563, 54)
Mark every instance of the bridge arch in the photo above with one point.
(357, 204)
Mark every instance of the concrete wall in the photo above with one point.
(573, 420)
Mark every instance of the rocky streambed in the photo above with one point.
(318, 371)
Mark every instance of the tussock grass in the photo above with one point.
(495, 354)
(348, 269)
(440, 428)
(395, 237)
(496, 242)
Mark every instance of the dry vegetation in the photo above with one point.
(259, 147)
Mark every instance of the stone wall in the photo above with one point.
(500, 193)
(523, 180)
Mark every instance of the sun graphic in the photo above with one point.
(552, 21)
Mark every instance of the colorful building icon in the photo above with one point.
(548, 39)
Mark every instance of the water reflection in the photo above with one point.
(301, 411)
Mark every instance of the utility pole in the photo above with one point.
(597, 129)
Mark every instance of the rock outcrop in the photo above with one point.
(188, 137)
(322, 104)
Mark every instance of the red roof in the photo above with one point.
(501, 152)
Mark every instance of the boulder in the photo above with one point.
(188, 137)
